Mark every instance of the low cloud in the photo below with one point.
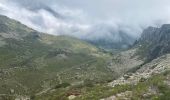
(46, 19)
(88, 18)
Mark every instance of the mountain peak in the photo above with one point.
(10, 28)
(165, 26)
(155, 41)
(148, 33)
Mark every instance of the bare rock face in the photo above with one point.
(156, 66)
(124, 61)
(155, 42)
(147, 71)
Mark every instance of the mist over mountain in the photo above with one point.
(111, 39)
(86, 20)
(84, 50)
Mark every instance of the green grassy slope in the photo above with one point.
(31, 62)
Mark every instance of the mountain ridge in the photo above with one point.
(32, 62)
(39, 66)
(155, 41)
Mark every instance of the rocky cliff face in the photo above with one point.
(151, 80)
(155, 41)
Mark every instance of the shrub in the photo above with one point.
(88, 83)
(62, 85)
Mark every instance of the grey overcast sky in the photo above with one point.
(83, 17)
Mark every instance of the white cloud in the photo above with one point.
(84, 18)
(44, 21)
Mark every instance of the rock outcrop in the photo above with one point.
(155, 42)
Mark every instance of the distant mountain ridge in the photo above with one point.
(107, 37)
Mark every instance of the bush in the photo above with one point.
(142, 79)
(32, 97)
(62, 85)
(88, 83)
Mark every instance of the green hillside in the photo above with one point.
(31, 62)
(39, 66)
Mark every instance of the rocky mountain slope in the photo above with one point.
(39, 66)
(154, 42)
(148, 80)
(151, 82)
(34, 64)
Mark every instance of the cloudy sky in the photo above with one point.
(83, 18)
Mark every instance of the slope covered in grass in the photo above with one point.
(31, 62)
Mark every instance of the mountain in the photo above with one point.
(39, 66)
(154, 42)
(107, 37)
(34, 62)
(148, 80)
